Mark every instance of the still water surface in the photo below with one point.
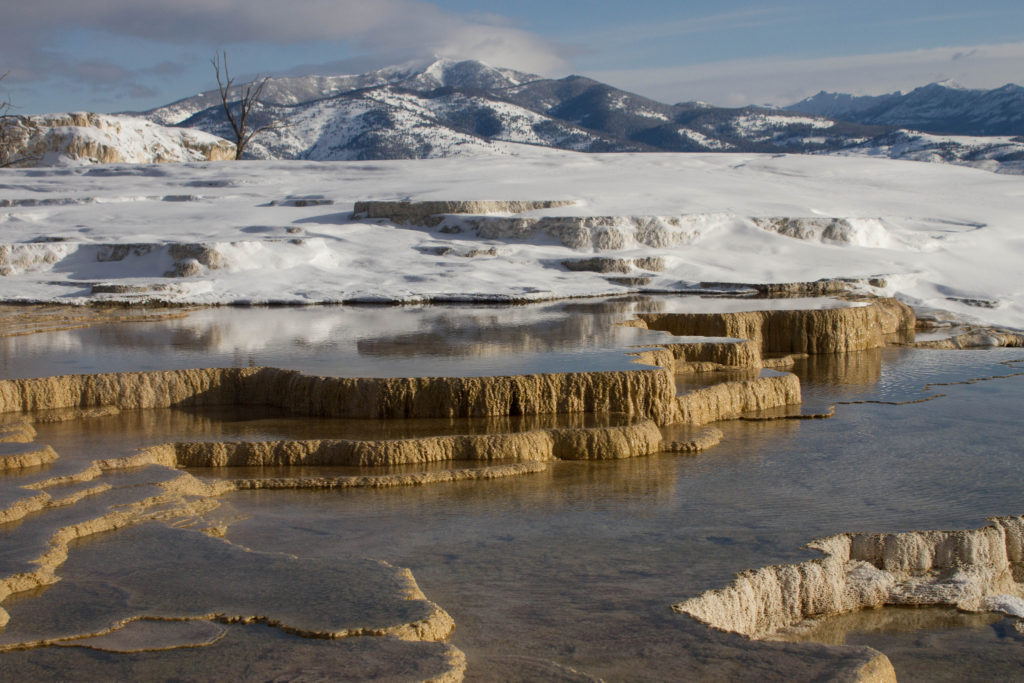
(571, 573)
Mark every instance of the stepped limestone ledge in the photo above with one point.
(975, 339)
(976, 570)
(431, 213)
(648, 394)
(832, 330)
(707, 438)
(383, 481)
(596, 443)
(17, 431)
(731, 400)
(599, 233)
(105, 139)
(19, 456)
(702, 356)
(785, 290)
(643, 394)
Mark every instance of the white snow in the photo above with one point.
(701, 139)
(944, 237)
(763, 122)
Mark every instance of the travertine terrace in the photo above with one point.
(973, 570)
(636, 406)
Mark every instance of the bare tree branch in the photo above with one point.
(249, 98)
(9, 141)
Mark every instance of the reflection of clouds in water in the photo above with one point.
(369, 340)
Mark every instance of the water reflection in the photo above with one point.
(576, 567)
(368, 341)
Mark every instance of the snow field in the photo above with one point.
(942, 237)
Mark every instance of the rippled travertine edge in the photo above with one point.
(187, 498)
(975, 570)
(184, 496)
(642, 393)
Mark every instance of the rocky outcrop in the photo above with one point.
(829, 330)
(974, 570)
(106, 139)
(730, 400)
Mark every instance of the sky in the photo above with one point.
(124, 55)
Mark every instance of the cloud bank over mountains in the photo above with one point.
(36, 38)
(115, 55)
(782, 81)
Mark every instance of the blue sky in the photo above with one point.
(116, 55)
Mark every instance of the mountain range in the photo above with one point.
(940, 108)
(445, 108)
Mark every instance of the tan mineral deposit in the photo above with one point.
(973, 570)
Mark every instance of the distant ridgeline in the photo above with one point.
(449, 108)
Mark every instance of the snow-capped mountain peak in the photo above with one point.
(446, 107)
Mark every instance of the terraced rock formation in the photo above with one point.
(974, 570)
(128, 493)
(833, 330)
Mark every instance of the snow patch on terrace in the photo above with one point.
(940, 237)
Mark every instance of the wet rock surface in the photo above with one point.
(80, 498)
(969, 569)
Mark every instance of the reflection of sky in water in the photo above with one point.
(577, 567)
(560, 566)
(366, 341)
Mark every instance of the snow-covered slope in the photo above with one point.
(445, 108)
(941, 108)
(448, 108)
(939, 236)
(415, 75)
(51, 139)
(1001, 154)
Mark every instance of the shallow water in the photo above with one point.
(571, 572)
(369, 341)
(561, 566)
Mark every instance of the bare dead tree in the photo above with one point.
(239, 111)
(8, 141)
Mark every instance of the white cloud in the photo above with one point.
(783, 81)
(374, 26)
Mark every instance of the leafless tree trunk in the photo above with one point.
(8, 140)
(239, 111)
